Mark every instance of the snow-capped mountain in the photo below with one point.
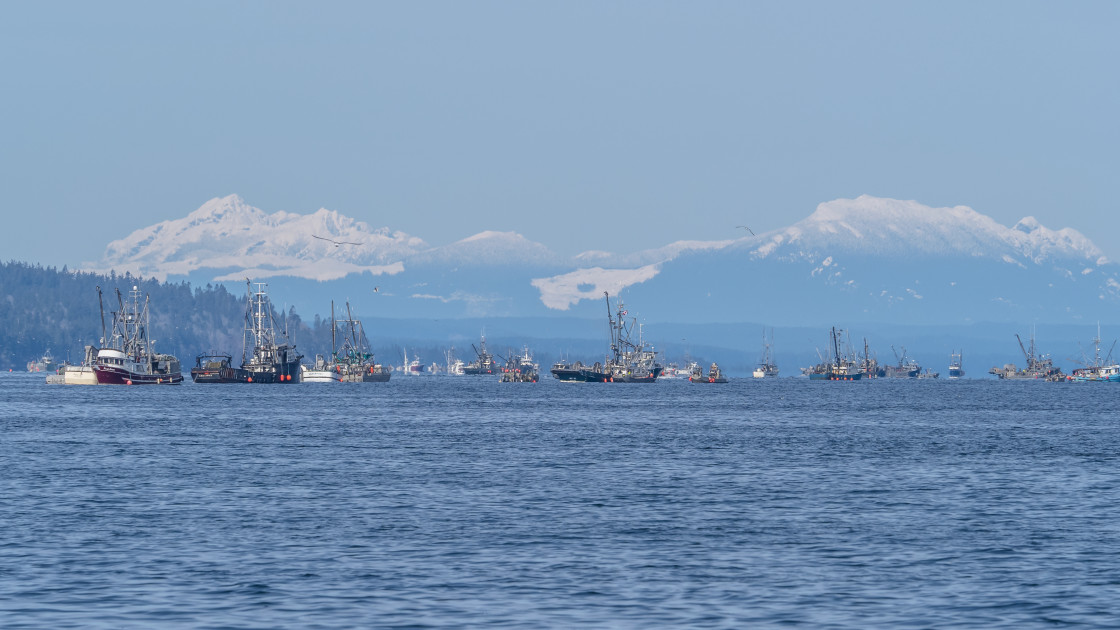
(865, 259)
(233, 239)
(890, 227)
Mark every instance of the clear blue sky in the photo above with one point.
(587, 125)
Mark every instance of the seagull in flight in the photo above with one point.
(336, 243)
(746, 228)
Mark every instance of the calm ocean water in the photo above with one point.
(462, 502)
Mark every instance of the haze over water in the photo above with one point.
(461, 502)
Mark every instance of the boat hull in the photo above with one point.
(112, 375)
(835, 377)
(320, 376)
(567, 375)
(219, 375)
(368, 374)
(1095, 378)
(593, 376)
(73, 375)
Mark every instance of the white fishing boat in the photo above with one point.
(80, 374)
(766, 367)
(455, 367)
(320, 372)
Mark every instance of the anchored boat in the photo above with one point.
(263, 359)
(567, 372)
(1040, 367)
(484, 364)
(630, 361)
(354, 360)
(715, 375)
(520, 369)
(130, 357)
(905, 368)
(217, 368)
(766, 367)
(839, 366)
(44, 363)
(955, 366)
(1099, 369)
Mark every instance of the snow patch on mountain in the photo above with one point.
(562, 291)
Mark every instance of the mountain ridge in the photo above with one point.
(863, 257)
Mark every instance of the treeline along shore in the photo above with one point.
(46, 308)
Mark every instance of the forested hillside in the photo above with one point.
(44, 308)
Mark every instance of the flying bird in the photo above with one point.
(746, 228)
(376, 289)
(336, 243)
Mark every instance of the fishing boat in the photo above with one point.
(630, 360)
(1098, 369)
(567, 372)
(672, 371)
(80, 374)
(905, 368)
(265, 360)
(217, 368)
(1099, 374)
(766, 367)
(44, 363)
(322, 371)
(1040, 367)
(455, 367)
(129, 357)
(715, 375)
(520, 369)
(353, 359)
(838, 366)
(413, 367)
(955, 366)
(484, 363)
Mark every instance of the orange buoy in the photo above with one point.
(250, 379)
(128, 382)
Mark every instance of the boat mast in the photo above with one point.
(611, 323)
(101, 307)
(120, 318)
(354, 345)
(835, 351)
(334, 355)
(145, 332)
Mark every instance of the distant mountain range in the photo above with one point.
(852, 260)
